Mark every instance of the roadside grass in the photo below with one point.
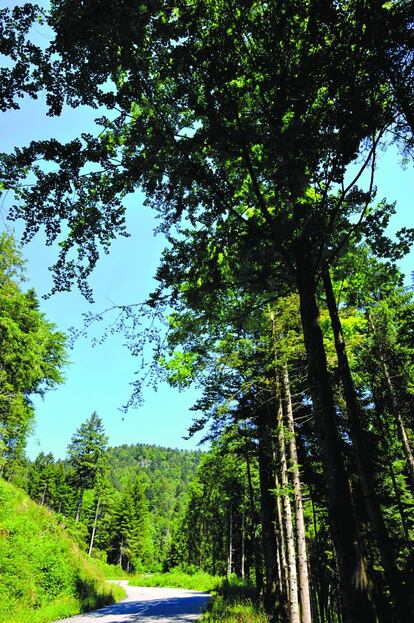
(234, 602)
(176, 578)
(110, 572)
(43, 574)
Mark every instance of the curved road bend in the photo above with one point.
(148, 605)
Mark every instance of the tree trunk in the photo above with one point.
(320, 580)
(42, 501)
(365, 466)
(305, 605)
(243, 558)
(257, 559)
(281, 550)
(287, 515)
(384, 432)
(80, 502)
(94, 527)
(230, 550)
(351, 564)
(272, 598)
(402, 433)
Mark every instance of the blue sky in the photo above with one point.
(99, 378)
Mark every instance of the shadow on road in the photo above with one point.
(179, 609)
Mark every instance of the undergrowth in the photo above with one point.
(43, 574)
(234, 602)
(198, 581)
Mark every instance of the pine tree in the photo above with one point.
(86, 452)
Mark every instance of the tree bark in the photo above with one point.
(42, 501)
(281, 548)
(402, 433)
(230, 549)
(287, 515)
(319, 579)
(305, 604)
(351, 564)
(365, 467)
(272, 597)
(385, 432)
(243, 557)
(94, 526)
(257, 560)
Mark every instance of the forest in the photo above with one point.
(254, 130)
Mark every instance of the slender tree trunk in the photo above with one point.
(320, 580)
(120, 560)
(351, 564)
(281, 549)
(305, 604)
(402, 433)
(42, 501)
(272, 597)
(80, 502)
(365, 466)
(288, 521)
(384, 432)
(230, 550)
(94, 526)
(243, 557)
(257, 559)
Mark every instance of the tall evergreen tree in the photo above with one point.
(86, 452)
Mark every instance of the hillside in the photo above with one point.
(166, 474)
(43, 574)
(162, 474)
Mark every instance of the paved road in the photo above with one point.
(148, 605)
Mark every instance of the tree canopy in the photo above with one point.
(240, 123)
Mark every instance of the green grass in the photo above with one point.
(176, 578)
(110, 572)
(43, 574)
(234, 602)
(219, 610)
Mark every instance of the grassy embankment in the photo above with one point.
(43, 574)
(232, 601)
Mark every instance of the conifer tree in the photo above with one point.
(86, 452)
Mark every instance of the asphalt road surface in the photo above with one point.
(148, 605)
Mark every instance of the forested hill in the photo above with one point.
(122, 503)
(166, 469)
(165, 473)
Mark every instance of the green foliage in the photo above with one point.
(86, 450)
(43, 574)
(176, 578)
(234, 603)
(138, 495)
(239, 123)
(166, 474)
(131, 544)
(32, 355)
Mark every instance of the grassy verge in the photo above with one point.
(43, 574)
(110, 572)
(234, 602)
(176, 578)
